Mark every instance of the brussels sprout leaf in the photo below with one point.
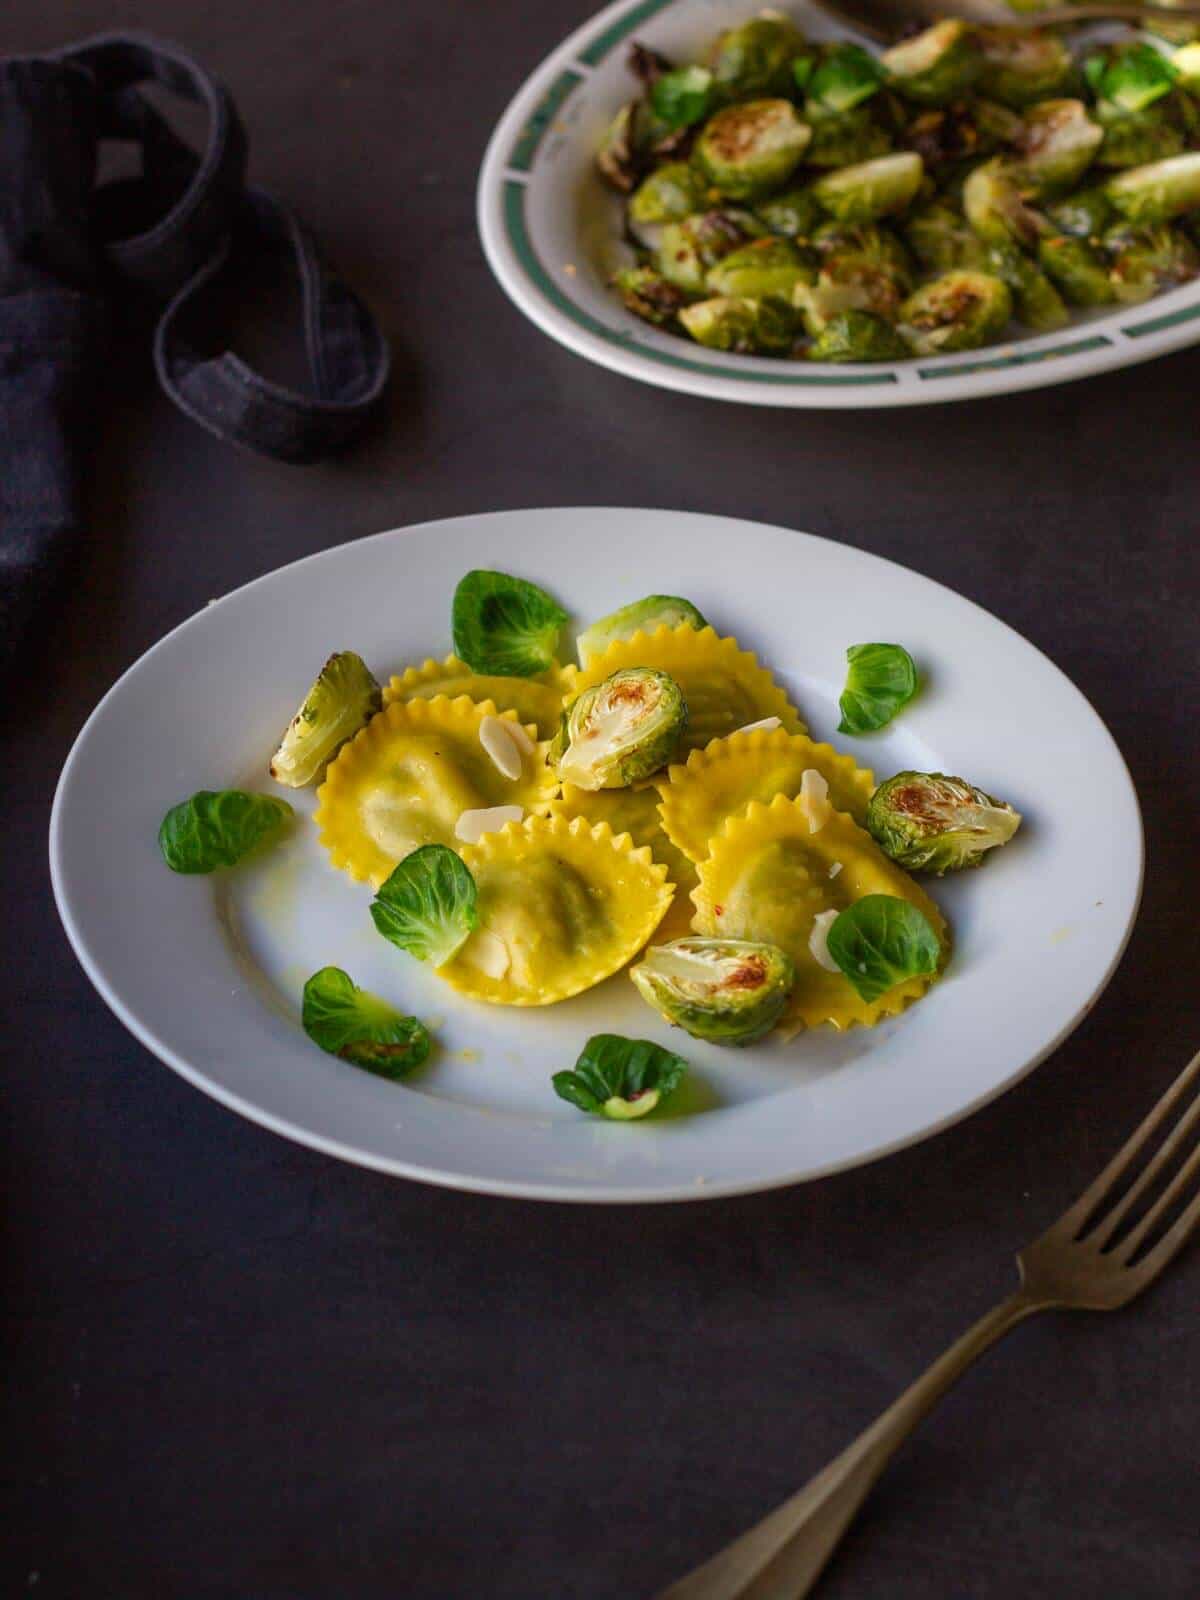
(683, 96)
(505, 626)
(845, 78)
(881, 940)
(359, 1027)
(216, 828)
(881, 680)
(427, 905)
(620, 1078)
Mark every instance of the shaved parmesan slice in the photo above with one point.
(496, 738)
(472, 825)
(489, 953)
(814, 799)
(766, 724)
(818, 940)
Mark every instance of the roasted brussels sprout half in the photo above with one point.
(621, 730)
(1158, 192)
(744, 326)
(843, 137)
(648, 295)
(937, 65)
(930, 822)
(728, 991)
(667, 194)
(994, 206)
(755, 58)
(1021, 65)
(851, 282)
(872, 242)
(344, 697)
(1036, 301)
(1146, 260)
(747, 150)
(1077, 269)
(793, 214)
(1131, 76)
(871, 189)
(858, 336)
(642, 616)
(958, 311)
(942, 240)
(689, 248)
(1057, 144)
(1133, 138)
(1085, 214)
(762, 269)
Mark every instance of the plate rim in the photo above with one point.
(575, 1191)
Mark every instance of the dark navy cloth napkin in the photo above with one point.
(68, 248)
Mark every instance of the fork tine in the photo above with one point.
(1075, 1216)
(1170, 1244)
(1107, 1225)
(1179, 1184)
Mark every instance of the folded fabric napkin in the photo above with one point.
(68, 247)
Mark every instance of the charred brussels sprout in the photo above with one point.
(936, 66)
(1057, 144)
(793, 214)
(1021, 65)
(958, 311)
(857, 336)
(1147, 260)
(642, 616)
(344, 697)
(941, 240)
(755, 58)
(1133, 138)
(620, 730)
(744, 326)
(1036, 301)
(762, 269)
(930, 822)
(668, 194)
(648, 295)
(1077, 269)
(842, 137)
(689, 248)
(1085, 214)
(872, 243)
(1158, 192)
(728, 991)
(872, 188)
(995, 208)
(747, 150)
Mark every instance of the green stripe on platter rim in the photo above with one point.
(1172, 319)
(1018, 358)
(612, 36)
(534, 131)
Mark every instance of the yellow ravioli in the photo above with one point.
(768, 877)
(562, 906)
(538, 700)
(721, 780)
(724, 686)
(405, 780)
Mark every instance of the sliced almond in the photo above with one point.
(814, 799)
(818, 940)
(496, 738)
(835, 867)
(766, 725)
(472, 825)
(520, 738)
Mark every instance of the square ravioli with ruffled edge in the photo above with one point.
(537, 699)
(407, 778)
(770, 874)
(561, 906)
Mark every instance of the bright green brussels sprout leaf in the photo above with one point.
(1136, 138)
(1146, 260)
(930, 822)
(881, 681)
(958, 311)
(648, 295)
(942, 240)
(1022, 65)
(748, 150)
(793, 214)
(746, 327)
(1158, 192)
(504, 626)
(428, 904)
(871, 189)
(858, 336)
(842, 138)
(217, 828)
(728, 991)
(689, 248)
(936, 66)
(1084, 214)
(622, 1079)
(1131, 76)
(995, 207)
(1058, 143)
(881, 941)
(755, 58)
(342, 700)
(668, 194)
(1077, 268)
(1036, 302)
(621, 730)
(641, 616)
(683, 96)
(844, 77)
(761, 269)
(1186, 65)
(360, 1027)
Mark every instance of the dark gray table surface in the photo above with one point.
(240, 1369)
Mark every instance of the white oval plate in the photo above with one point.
(207, 972)
(550, 227)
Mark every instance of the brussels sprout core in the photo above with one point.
(748, 149)
(929, 821)
(343, 698)
(728, 991)
(621, 730)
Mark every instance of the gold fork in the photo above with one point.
(1086, 1262)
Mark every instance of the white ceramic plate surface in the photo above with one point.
(207, 972)
(550, 230)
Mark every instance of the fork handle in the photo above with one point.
(782, 1556)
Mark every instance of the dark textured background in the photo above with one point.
(239, 1369)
